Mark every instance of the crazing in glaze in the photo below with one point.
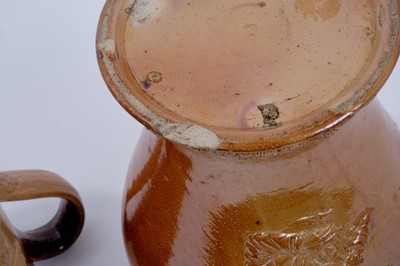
(322, 242)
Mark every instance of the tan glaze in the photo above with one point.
(336, 201)
(231, 60)
(23, 248)
(246, 75)
(253, 157)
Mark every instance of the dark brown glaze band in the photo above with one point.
(57, 235)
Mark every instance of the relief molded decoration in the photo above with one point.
(322, 242)
(8, 184)
(5, 250)
(10, 252)
(305, 224)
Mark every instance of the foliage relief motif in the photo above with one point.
(321, 243)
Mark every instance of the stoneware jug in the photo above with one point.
(264, 144)
(23, 248)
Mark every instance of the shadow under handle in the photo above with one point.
(61, 232)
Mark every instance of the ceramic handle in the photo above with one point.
(61, 232)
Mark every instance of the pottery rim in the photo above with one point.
(129, 93)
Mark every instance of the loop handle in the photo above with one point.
(61, 232)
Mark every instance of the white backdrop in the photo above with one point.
(57, 114)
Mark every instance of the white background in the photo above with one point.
(57, 114)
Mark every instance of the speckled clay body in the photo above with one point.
(265, 145)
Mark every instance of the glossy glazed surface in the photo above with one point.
(246, 76)
(254, 162)
(11, 249)
(335, 201)
(19, 248)
(201, 58)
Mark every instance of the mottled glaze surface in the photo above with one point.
(260, 151)
(336, 201)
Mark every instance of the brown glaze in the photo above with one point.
(269, 221)
(11, 249)
(315, 241)
(23, 248)
(148, 192)
(336, 200)
(252, 158)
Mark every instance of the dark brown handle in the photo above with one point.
(61, 232)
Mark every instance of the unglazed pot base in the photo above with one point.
(246, 75)
(202, 58)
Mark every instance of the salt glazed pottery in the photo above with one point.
(23, 248)
(264, 144)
